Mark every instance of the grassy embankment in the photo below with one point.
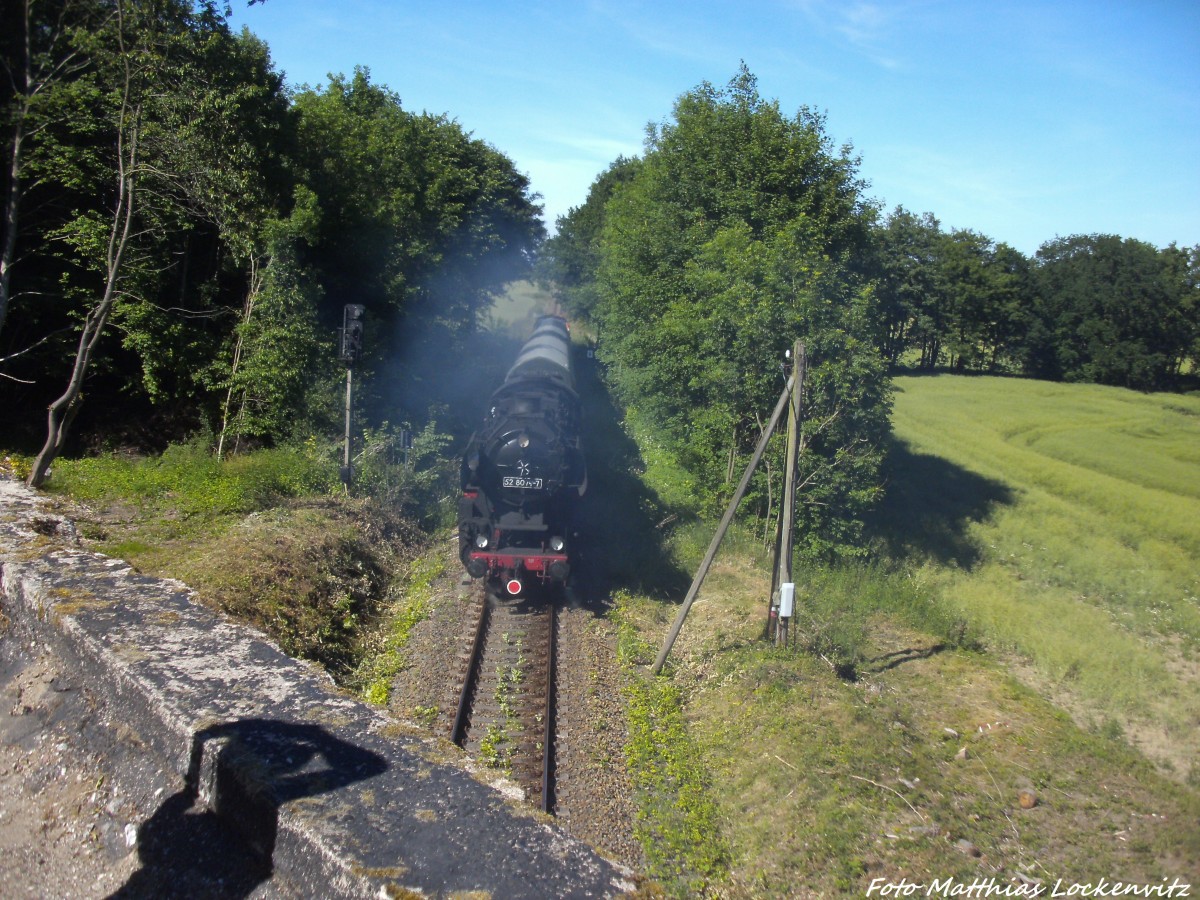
(272, 538)
(1043, 557)
(1045, 542)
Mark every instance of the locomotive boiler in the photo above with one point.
(523, 471)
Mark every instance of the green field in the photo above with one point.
(1032, 626)
(1071, 518)
(515, 311)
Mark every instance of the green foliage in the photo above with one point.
(281, 356)
(570, 259)
(189, 478)
(1115, 311)
(191, 118)
(382, 656)
(1088, 308)
(417, 218)
(209, 112)
(418, 480)
(954, 299)
(730, 240)
(256, 216)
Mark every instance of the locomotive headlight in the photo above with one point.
(523, 441)
(481, 542)
(557, 544)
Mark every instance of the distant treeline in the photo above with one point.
(1087, 308)
(182, 232)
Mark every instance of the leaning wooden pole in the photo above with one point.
(787, 521)
(726, 520)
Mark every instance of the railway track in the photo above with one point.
(506, 711)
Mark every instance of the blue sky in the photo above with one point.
(1021, 120)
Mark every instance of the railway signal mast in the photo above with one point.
(350, 342)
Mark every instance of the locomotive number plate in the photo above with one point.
(512, 481)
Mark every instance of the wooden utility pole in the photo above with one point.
(726, 520)
(783, 576)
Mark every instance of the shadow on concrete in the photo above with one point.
(929, 506)
(188, 850)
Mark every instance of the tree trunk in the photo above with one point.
(29, 80)
(62, 411)
(11, 205)
(256, 279)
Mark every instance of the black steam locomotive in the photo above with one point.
(523, 471)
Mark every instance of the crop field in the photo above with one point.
(518, 307)
(1069, 524)
(1013, 693)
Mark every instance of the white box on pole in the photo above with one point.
(787, 597)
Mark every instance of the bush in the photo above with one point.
(418, 480)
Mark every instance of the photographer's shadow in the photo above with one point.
(249, 769)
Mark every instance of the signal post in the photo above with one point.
(350, 340)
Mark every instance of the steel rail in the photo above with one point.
(549, 713)
(458, 733)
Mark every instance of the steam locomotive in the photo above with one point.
(523, 470)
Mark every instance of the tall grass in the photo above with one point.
(1081, 530)
(191, 480)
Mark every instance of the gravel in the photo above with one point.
(64, 832)
(593, 789)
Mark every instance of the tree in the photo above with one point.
(905, 254)
(414, 211)
(419, 222)
(570, 260)
(1111, 311)
(223, 136)
(1182, 274)
(958, 297)
(982, 288)
(39, 59)
(160, 93)
(734, 237)
(276, 352)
